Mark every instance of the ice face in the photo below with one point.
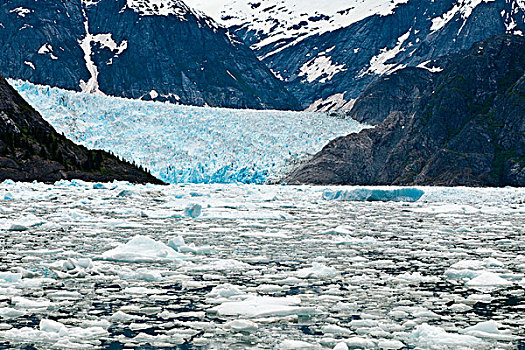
(181, 144)
(261, 267)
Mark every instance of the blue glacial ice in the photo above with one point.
(375, 195)
(182, 144)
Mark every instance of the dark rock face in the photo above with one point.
(30, 149)
(466, 127)
(378, 45)
(133, 48)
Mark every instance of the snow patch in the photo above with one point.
(379, 65)
(321, 68)
(463, 7)
(21, 11)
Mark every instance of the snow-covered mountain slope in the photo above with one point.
(144, 49)
(329, 52)
(188, 144)
(273, 24)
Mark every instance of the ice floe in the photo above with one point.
(142, 249)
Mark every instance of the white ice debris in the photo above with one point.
(334, 275)
(297, 345)
(488, 279)
(245, 326)
(488, 330)
(193, 211)
(256, 307)
(432, 337)
(317, 271)
(142, 249)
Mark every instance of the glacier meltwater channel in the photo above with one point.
(182, 144)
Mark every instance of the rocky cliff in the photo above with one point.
(464, 124)
(142, 49)
(30, 149)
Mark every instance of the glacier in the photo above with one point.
(183, 144)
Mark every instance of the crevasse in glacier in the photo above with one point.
(182, 144)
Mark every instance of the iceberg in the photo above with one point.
(432, 337)
(142, 249)
(183, 144)
(375, 195)
(256, 307)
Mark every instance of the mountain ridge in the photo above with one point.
(327, 68)
(465, 128)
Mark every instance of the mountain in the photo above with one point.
(30, 149)
(464, 124)
(328, 53)
(143, 49)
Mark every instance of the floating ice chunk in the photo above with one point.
(491, 262)
(141, 274)
(193, 211)
(333, 329)
(317, 271)
(64, 295)
(23, 303)
(488, 330)
(431, 337)
(142, 291)
(18, 228)
(297, 345)
(99, 186)
(222, 265)
(339, 230)
(477, 264)
(9, 277)
(488, 279)
(225, 291)
(388, 344)
(125, 193)
(53, 327)
(142, 249)
(269, 288)
(7, 312)
(255, 306)
(341, 346)
(462, 274)
(122, 317)
(416, 277)
(467, 264)
(375, 195)
(176, 242)
(244, 326)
